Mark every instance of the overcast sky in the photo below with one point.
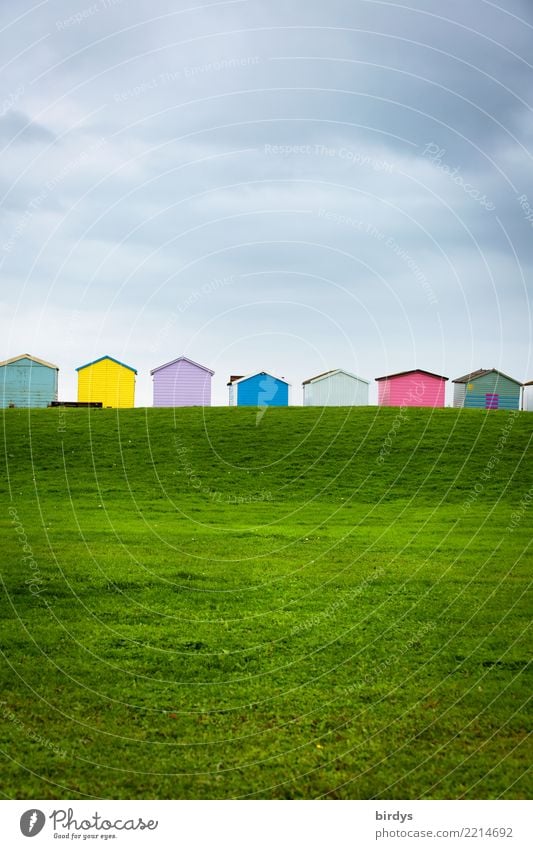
(281, 186)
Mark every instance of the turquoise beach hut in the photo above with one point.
(27, 381)
(487, 389)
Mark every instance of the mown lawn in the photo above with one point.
(329, 603)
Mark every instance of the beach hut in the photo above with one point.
(107, 380)
(335, 388)
(27, 381)
(258, 390)
(415, 388)
(487, 389)
(182, 383)
(527, 399)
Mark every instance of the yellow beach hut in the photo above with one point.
(107, 380)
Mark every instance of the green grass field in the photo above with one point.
(329, 603)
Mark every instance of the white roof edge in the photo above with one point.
(254, 374)
(193, 362)
(29, 357)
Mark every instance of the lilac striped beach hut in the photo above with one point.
(182, 383)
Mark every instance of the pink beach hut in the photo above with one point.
(415, 388)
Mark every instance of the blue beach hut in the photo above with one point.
(258, 390)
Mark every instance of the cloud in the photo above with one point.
(18, 128)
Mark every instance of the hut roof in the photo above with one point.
(107, 357)
(481, 372)
(180, 359)
(412, 371)
(28, 357)
(333, 371)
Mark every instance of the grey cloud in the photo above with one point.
(18, 128)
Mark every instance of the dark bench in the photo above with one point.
(75, 404)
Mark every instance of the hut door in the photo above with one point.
(491, 401)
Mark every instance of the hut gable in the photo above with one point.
(414, 388)
(108, 381)
(487, 389)
(182, 383)
(335, 388)
(28, 359)
(259, 390)
(484, 372)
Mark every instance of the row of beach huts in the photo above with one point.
(27, 381)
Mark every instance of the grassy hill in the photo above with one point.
(313, 602)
